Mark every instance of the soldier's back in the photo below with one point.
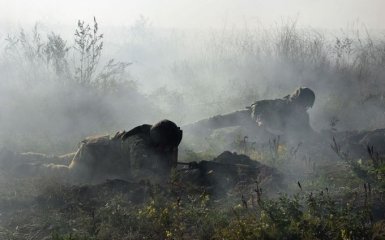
(99, 158)
(270, 113)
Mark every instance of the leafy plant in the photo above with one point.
(89, 44)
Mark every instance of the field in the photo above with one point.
(332, 199)
(56, 91)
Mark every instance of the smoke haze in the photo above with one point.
(74, 69)
(186, 60)
(197, 14)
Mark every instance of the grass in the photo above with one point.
(228, 70)
(323, 197)
(304, 215)
(331, 202)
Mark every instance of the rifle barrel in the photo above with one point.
(183, 163)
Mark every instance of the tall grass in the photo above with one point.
(55, 93)
(54, 88)
(234, 68)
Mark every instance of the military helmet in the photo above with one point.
(303, 96)
(165, 134)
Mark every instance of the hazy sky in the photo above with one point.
(196, 13)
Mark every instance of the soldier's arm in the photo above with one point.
(303, 121)
(237, 118)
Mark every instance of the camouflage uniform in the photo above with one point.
(127, 153)
(136, 153)
(278, 116)
(286, 115)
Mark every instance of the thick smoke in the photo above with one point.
(183, 76)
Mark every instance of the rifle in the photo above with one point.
(206, 167)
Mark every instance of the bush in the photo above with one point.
(55, 100)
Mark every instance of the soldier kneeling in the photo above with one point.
(146, 151)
